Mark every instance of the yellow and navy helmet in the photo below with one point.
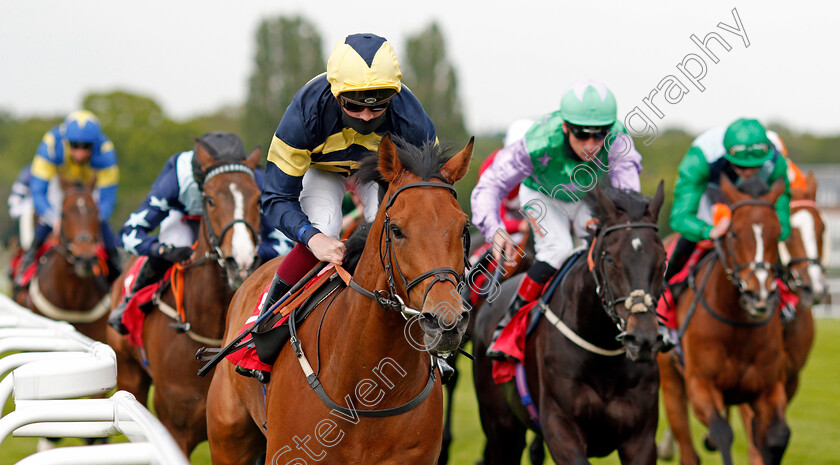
(363, 63)
(81, 126)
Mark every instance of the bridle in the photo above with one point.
(215, 240)
(733, 272)
(390, 299)
(638, 301)
(792, 277)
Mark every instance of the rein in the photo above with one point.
(388, 300)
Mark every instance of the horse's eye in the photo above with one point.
(210, 201)
(397, 232)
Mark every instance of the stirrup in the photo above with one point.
(261, 376)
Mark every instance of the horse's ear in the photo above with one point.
(776, 191)
(730, 191)
(811, 182)
(656, 202)
(204, 158)
(254, 158)
(457, 166)
(390, 165)
(606, 207)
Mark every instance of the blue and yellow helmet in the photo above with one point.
(363, 63)
(81, 126)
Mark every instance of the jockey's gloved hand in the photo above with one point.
(173, 254)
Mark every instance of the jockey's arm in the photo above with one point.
(43, 170)
(625, 163)
(780, 170)
(107, 179)
(511, 167)
(134, 235)
(284, 181)
(691, 183)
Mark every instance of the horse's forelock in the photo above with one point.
(631, 203)
(754, 187)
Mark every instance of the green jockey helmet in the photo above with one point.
(747, 144)
(588, 103)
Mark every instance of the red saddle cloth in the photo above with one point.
(512, 341)
(666, 308)
(30, 271)
(246, 357)
(134, 317)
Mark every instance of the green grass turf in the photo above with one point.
(814, 417)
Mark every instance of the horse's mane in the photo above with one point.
(354, 246)
(425, 161)
(633, 204)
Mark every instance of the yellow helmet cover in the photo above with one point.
(363, 62)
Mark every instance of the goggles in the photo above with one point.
(585, 132)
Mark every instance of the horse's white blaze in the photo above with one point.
(241, 243)
(636, 243)
(761, 274)
(803, 220)
(80, 203)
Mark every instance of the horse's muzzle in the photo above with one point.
(443, 335)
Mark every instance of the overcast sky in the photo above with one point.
(514, 58)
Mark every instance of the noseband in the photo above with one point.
(639, 301)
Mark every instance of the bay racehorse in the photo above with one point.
(588, 363)
(732, 344)
(71, 281)
(363, 352)
(171, 336)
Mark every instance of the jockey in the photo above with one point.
(332, 123)
(176, 204)
(739, 152)
(559, 159)
(21, 207)
(78, 151)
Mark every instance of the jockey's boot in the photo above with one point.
(527, 291)
(27, 259)
(278, 289)
(446, 370)
(147, 274)
(114, 265)
(669, 337)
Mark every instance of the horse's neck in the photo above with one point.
(60, 285)
(365, 331)
(581, 308)
(206, 293)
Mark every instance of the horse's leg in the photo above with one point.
(233, 436)
(504, 432)
(131, 376)
(770, 431)
(536, 451)
(676, 408)
(447, 420)
(665, 446)
(708, 405)
(566, 444)
(747, 416)
(640, 449)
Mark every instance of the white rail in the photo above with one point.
(54, 366)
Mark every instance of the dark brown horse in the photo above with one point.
(364, 354)
(71, 283)
(588, 363)
(732, 344)
(231, 215)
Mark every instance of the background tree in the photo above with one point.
(288, 56)
(433, 79)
